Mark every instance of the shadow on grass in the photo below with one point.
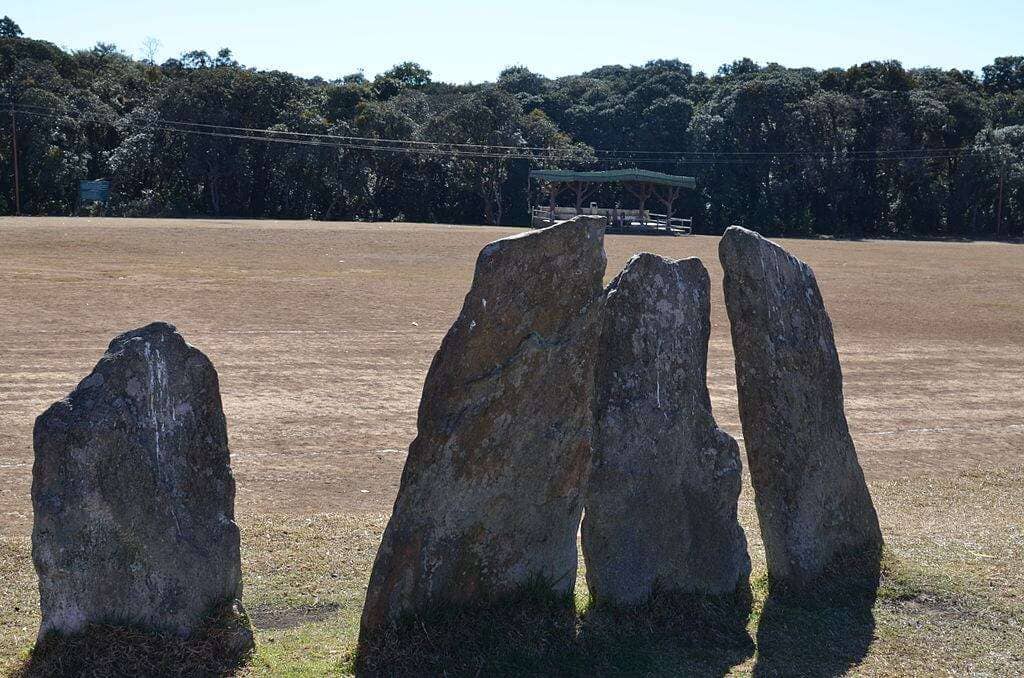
(531, 633)
(540, 635)
(669, 635)
(823, 629)
(221, 648)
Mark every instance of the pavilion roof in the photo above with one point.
(615, 176)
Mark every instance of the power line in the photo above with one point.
(660, 154)
(375, 140)
(664, 157)
(436, 148)
(453, 149)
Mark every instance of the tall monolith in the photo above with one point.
(492, 490)
(133, 494)
(813, 504)
(661, 506)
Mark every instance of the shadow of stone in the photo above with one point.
(222, 647)
(669, 635)
(824, 629)
(537, 634)
(531, 633)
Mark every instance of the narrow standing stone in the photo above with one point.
(491, 494)
(812, 502)
(133, 494)
(662, 496)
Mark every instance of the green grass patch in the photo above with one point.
(224, 645)
(949, 601)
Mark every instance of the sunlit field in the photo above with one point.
(322, 334)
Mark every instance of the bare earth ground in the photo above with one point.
(322, 334)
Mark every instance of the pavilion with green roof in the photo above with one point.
(642, 184)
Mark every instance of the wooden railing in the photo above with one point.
(617, 218)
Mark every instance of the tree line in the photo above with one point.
(870, 150)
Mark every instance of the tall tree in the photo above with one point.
(873, 149)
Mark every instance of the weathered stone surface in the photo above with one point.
(491, 494)
(133, 493)
(813, 504)
(662, 497)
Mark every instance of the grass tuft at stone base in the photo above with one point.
(222, 647)
(530, 632)
(537, 633)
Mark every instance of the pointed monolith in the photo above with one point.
(662, 497)
(491, 494)
(813, 504)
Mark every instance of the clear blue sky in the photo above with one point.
(462, 41)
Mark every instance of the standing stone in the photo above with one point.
(662, 496)
(133, 494)
(491, 494)
(814, 507)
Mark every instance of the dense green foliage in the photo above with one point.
(871, 150)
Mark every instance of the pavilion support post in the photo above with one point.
(583, 191)
(668, 199)
(642, 192)
(554, 188)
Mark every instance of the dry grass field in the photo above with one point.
(322, 334)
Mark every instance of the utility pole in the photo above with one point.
(17, 188)
(999, 209)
